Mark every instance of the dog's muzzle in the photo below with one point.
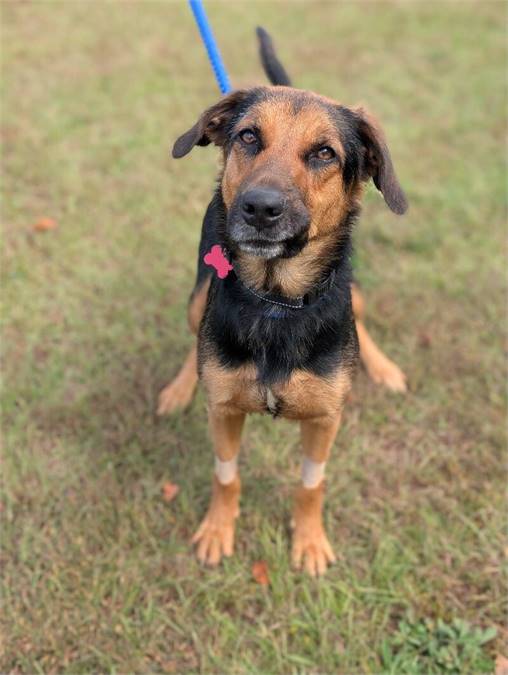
(265, 223)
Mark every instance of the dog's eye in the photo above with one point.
(325, 153)
(247, 136)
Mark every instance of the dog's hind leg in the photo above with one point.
(379, 367)
(178, 394)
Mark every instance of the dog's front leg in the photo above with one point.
(310, 543)
(215, 536)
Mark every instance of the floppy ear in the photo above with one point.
(378, 163)
(211, 126)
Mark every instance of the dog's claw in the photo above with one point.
(214, 540)
(313, 551)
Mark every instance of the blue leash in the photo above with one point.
(211, 46)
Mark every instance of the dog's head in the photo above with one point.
(294, 163)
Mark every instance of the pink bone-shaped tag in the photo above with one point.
(216, 258)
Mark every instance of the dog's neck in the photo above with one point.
(291, 277)
(296, 276)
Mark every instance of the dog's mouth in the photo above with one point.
(262, 248)
(281, 237)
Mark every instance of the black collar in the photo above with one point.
(291, 303)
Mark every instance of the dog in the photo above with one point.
(278, 318)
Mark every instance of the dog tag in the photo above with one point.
(216, 258)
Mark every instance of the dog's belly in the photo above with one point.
(304, 396)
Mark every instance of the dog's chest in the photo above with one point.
(304, 395)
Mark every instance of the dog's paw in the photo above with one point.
(214, 539)
(177, 395)
(312, 551)
(388, 374)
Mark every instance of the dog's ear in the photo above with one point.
(377, 162)
(211, 126)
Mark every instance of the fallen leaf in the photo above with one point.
(424, 340)
(169, 491)
(260, 573)
(501, 665)
(45, 224)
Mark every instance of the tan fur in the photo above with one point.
(178, 394)
(304, 396)
(379, 367)
(287, 137)
(239, 388)
(292, 277)
(358, 302)
(215, 535)
(231, 391)
(318, 435)
(310, 543)
(317, 402)
(307, 396)
(197, 307)
(226, 431)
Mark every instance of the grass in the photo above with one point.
(436, 647)
(97, 570)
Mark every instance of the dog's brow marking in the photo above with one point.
(312, 473)
(226, 471)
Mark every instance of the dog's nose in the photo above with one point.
(262, 207)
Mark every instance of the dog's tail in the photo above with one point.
(273, 67)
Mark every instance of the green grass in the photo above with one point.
(97, 570)
(437, 647)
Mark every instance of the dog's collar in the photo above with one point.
(290, 303)
(221, 260)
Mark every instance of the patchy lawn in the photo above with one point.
(97, 570)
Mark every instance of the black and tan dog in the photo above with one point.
(280, 332)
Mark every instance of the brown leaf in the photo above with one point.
(424, 340)
(260, 573)
(45, 224)
(169, 491)
(501, 665)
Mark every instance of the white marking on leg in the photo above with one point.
(226, 471)
(312, 473)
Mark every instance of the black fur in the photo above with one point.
(274, 69)
(240, 328)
